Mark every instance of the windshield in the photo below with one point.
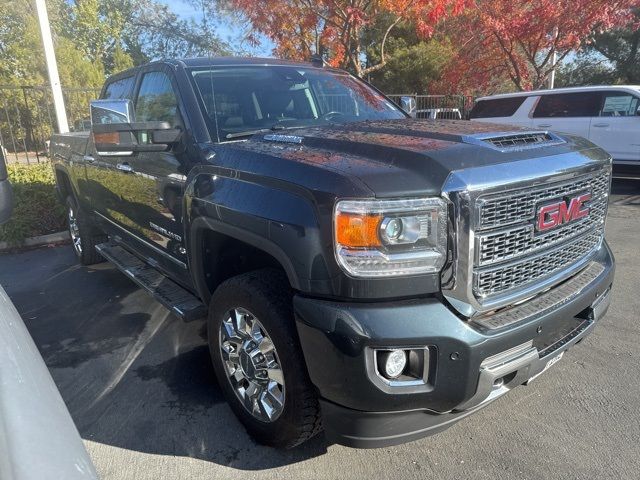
(241, 101)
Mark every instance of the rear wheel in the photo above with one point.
(83, 234)
(258, 361)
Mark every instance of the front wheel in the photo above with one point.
(257, 359)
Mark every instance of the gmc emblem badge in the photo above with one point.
(568, 210)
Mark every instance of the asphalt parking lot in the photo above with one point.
(139, 385)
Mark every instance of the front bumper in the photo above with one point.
(472, 365)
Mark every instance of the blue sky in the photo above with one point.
(227, 30)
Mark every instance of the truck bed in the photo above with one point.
(64, 144)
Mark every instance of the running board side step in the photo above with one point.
(175, 298)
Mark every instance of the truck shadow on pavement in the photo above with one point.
(133, 376)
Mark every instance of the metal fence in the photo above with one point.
(27, 118)
(423, 105)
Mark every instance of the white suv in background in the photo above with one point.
(609, 116)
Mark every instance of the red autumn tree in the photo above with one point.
(333, 28)
(522, 42)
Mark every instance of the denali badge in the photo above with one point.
(564, 211)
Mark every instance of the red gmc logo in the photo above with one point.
(556, 214)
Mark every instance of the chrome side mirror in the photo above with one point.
(116, 133)
(105, 112)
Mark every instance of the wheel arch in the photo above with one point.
(64, 186)
(212, 244)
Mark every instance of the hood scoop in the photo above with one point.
(514, 141)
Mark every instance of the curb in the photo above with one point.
(38, 241)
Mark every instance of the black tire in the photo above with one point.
(267, 295)
(85, 236)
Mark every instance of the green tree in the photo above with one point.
(75, 69)
(621, 47)
(19, 39)
(586, 69)
(413, 68)
(414, 64)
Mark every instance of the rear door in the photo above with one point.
(617, 127)
(567, 112)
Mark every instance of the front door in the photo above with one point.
(617, 129)
(153, 200)
(105, 182)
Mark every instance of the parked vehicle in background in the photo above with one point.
(38, 439)
(362, 271)
(439, 113)
(609, 116)
(408, 104)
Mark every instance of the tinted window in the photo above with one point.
(157, 101)
(119, 89)
(619, 104)
(497, 107)
(241, 100)
(585, 104)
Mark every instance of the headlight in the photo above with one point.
(378, 238)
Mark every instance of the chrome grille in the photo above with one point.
(520, 206)
(500, 279)
(509, 258)
(545, 302)
(506, 244)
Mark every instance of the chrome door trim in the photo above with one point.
(153, 247)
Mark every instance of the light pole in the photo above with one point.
(52, 67)
(554, 60)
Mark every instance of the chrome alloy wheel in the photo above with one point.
(74, 231)
(252, 365)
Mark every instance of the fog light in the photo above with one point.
(393, 362)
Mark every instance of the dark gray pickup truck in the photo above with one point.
(361, 271)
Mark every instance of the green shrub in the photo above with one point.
(37, 210)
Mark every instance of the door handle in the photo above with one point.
(600, 125)
(544, 125)
(124, 167)
(88, 159)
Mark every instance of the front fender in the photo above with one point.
(278, 218)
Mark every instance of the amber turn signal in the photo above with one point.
(358, 230)
(110, 137)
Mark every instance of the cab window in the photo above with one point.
(119, 89)
(157, 100)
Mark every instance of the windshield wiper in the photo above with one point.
(247, 133)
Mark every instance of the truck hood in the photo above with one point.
(420, 154)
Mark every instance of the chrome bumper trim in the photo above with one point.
(516, 366)
(544, 302)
